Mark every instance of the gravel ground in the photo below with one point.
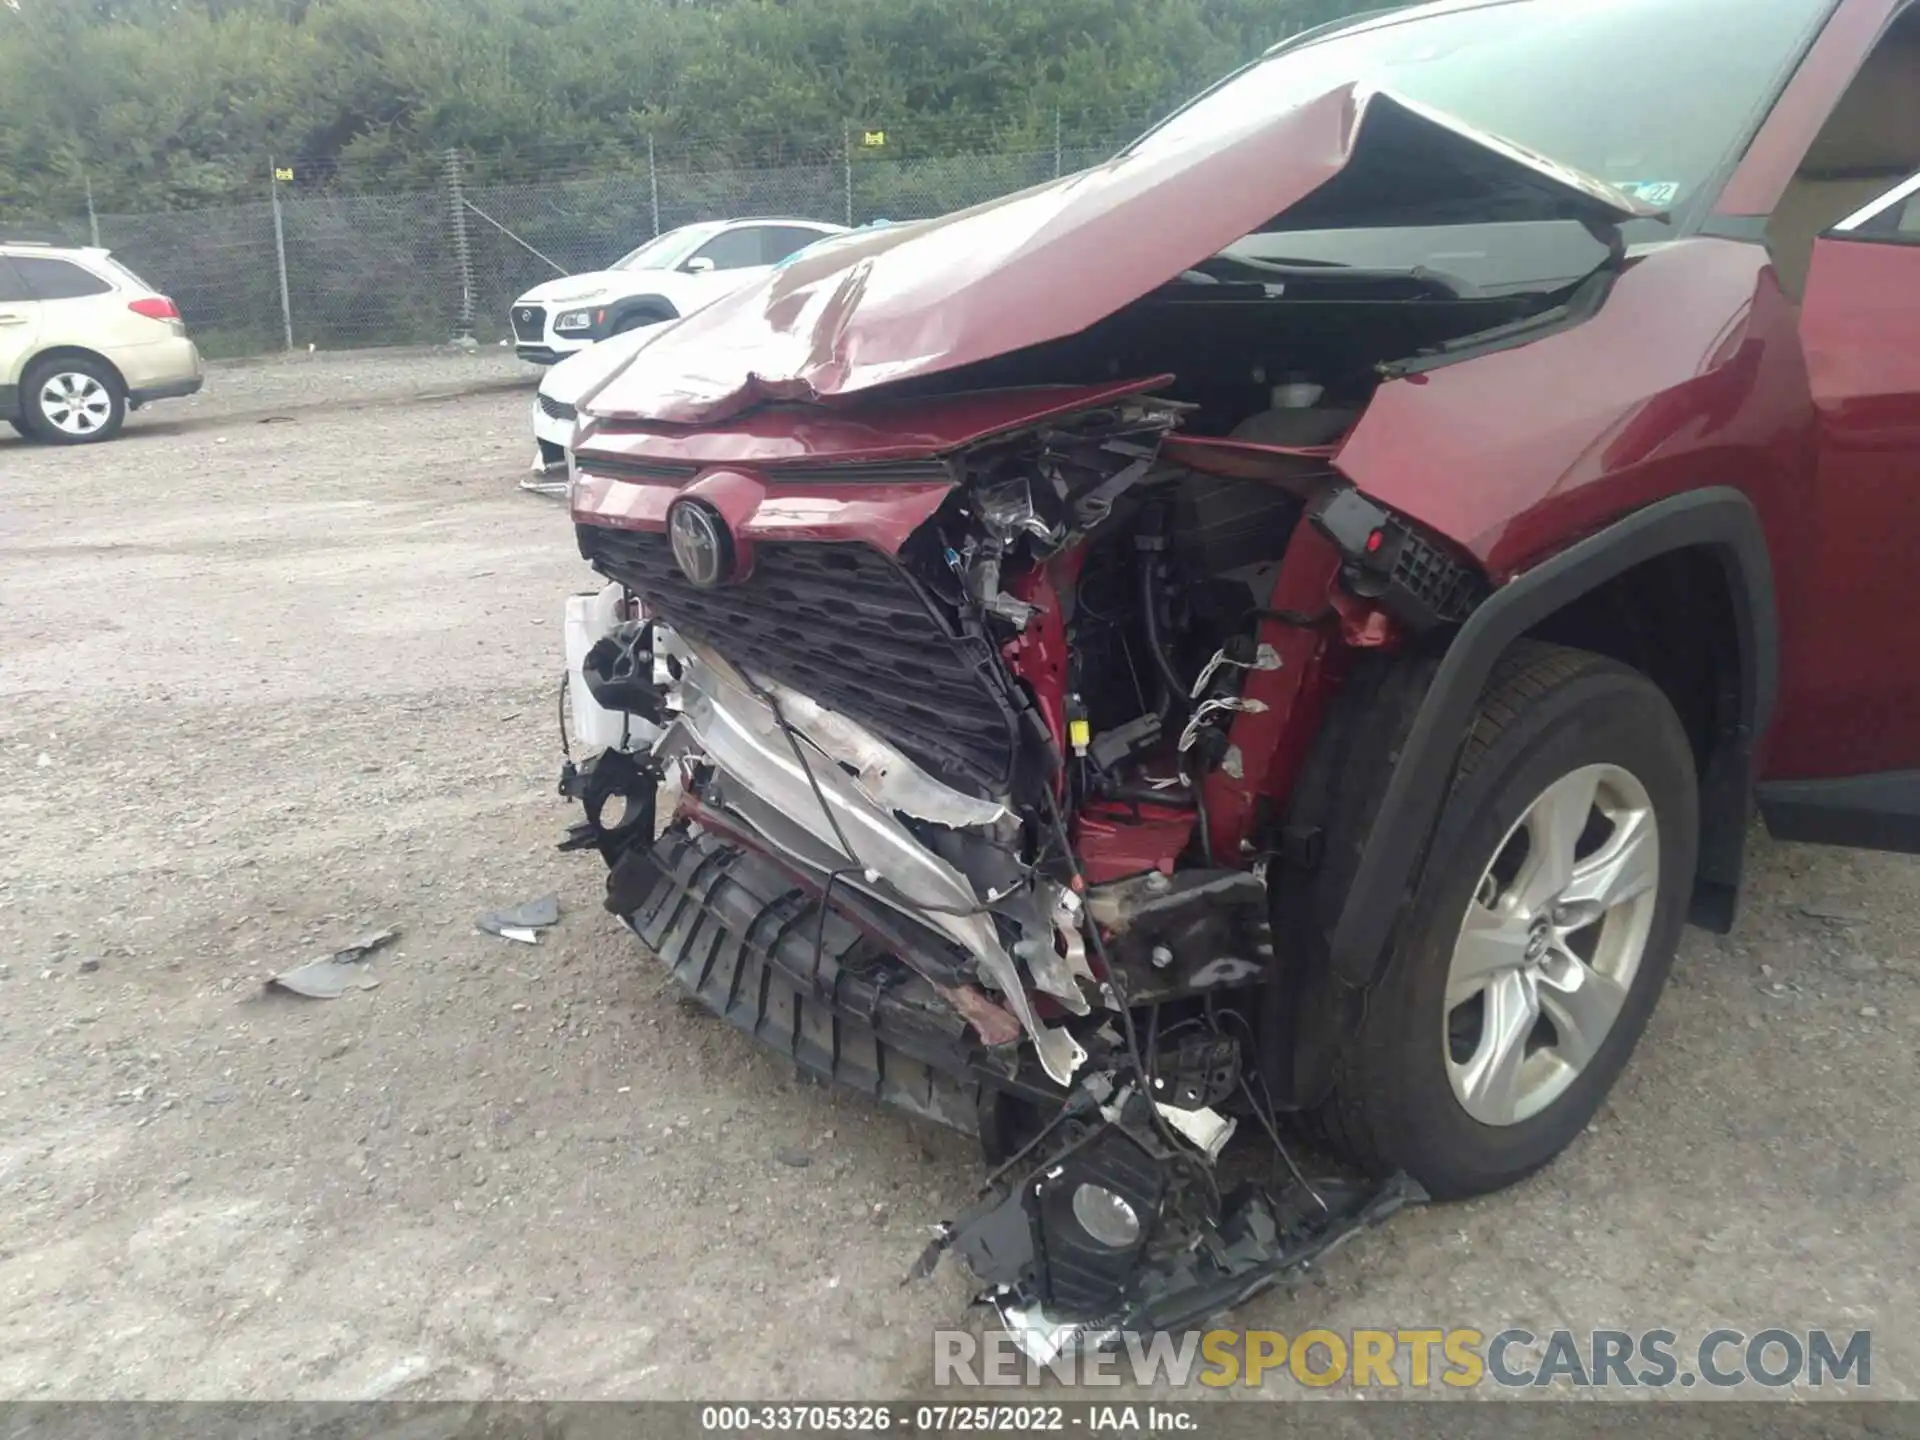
(279, 386)
(268, 686)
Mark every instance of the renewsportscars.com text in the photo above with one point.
(1421, 1358)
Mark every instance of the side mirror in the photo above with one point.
(699, 265)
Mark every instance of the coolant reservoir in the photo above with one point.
(589, 619)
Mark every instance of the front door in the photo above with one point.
(19, 326)
(1844, 762)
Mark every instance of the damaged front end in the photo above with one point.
(981, 698)
(942, 831)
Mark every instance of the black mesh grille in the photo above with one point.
(529, 324)
(555, 409)
(843, 624)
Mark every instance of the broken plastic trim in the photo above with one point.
(1113, 1227)
(1262, 1253)
(610, 776)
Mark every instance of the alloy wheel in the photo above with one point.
(75, 403)
(1550, 944)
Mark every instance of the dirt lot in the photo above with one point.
(268, 684)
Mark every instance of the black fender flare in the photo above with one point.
(620, 310)
(1721, 520)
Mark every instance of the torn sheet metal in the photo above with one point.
(737, 731)
(883, 774)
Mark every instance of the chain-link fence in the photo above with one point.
(335, 269)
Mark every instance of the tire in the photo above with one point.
(1422, 1080)
(74, 401)
(20, 429)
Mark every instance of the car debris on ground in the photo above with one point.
(331, 976)
(522, 922)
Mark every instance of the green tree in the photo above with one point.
(164, 104)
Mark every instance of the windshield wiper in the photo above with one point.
(1435, 283)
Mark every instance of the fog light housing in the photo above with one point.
(1106, 1216)
(1093, 1215)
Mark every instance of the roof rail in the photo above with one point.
(1349, 21)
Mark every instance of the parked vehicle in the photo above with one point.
(1289, 620)
(582, 371)
(563, 385)
(83, 340)
(671, 275)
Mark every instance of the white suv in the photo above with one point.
(671, 275)
(82, 341)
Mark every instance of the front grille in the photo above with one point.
(841, 623)
(529, 324)
(555, 409)
(619, 468)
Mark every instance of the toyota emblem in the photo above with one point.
(702, 546)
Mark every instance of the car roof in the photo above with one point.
(781, 220)
(47, 247)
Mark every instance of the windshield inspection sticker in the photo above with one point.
(1654, 192)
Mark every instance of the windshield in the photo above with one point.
(663, 252)
(1650, 95)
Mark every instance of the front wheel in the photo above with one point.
(1539, 935)
(72, 402)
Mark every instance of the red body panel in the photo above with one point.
(879, 515)
(758, 505)
(1850, 698)
(1688, 376)
(1039, 654)
(877, 431)
(1115, 841)
(1272, 743)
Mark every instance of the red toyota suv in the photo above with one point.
(1285, 624)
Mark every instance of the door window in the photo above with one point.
(50, 279)
(780, 241)
(13, 289)
(1869, 144)
(732, 249)
(1894, 216)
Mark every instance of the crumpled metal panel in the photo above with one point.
(913, 300)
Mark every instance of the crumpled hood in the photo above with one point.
(1046, 262)
(597, 284)
(583, 370)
